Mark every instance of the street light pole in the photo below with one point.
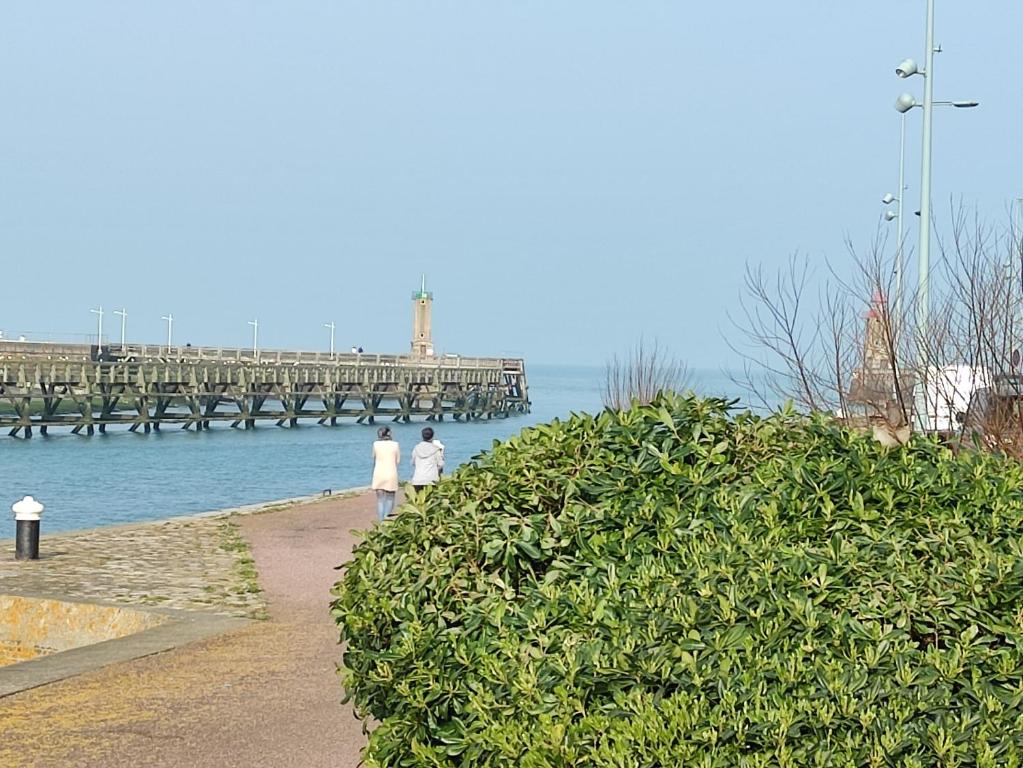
(900, 262)
(1015, 262)
(255, 336)
(170, 327)
(1019, 235)
(331, 326)
(99, 326)
(908, 68)
(924, 264)
(124, 317)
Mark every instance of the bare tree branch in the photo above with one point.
(861, 353)
(641, 376)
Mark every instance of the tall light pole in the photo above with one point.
(331, 326)
(99, 326)
(255, 335)
(908, 68)
(900, 265)
(1018, 242)
(903, 105)
(170, 328)
(1014, 271)
(124, 318)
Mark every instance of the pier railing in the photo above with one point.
(19, 350)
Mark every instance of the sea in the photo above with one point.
(124, 477)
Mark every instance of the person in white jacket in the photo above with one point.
(386, 457)
(427, 461)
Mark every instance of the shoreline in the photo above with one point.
(245, 509)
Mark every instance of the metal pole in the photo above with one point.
(255, 335)
(924, 246)
(1017, 246)
(331, 326)
(99, 326)
(900, 258)
(924, 265)
(170, 327)
(1019, 236)
(124, 317)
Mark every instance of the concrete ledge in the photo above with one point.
(177, 628)
(53, 626)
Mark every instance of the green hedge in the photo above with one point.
(675, 585)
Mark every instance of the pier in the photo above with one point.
(143, 387)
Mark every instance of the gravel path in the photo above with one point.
(265, 695)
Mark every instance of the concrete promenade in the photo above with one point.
(263, 695)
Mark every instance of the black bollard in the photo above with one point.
(26, 515)
(27, 542)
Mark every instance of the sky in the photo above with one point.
(570, 176)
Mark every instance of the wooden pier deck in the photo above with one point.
(88, 389)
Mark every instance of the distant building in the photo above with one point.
(873, 384)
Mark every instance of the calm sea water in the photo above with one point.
(122, 477)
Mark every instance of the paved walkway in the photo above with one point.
(265, 695)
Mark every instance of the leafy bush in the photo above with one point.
(673, 585)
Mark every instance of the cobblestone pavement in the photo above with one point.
(195, 564)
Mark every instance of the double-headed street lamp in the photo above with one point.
(169, 319)
(99, 326)
(908, 68)
(255, 336)
(123, 313)
(331, 326)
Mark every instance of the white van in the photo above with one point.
(949, 390)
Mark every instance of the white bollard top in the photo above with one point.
(27, 509)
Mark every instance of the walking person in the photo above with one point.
(386, 457)
(427, 461)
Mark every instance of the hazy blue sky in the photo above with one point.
(570, 175)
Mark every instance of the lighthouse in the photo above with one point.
(422, 308)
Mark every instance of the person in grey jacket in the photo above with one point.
(427, 461)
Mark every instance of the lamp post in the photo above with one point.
(255, 336)
(1019, 235)
(330, 325)
(124, 318)
(908, 68)
(900, 266)
(170, 328)
(99, 326)
(1015, 261)
(903, 104)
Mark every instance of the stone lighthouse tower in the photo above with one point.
(422, 308)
